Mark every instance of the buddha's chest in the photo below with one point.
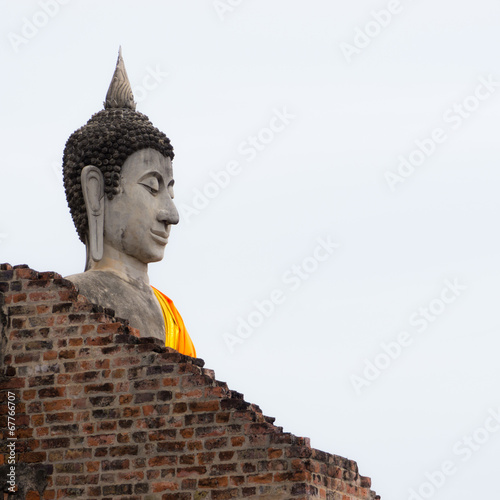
(138, 305)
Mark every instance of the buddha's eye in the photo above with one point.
(170, 189)
(151, 184)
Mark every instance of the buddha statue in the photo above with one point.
(119, 185)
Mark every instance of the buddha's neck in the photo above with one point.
(124, 266)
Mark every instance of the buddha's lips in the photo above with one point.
(160, 236)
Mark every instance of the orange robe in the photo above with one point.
(177, 336)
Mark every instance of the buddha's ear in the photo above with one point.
(93, 194)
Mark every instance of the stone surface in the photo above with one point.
(103, 413)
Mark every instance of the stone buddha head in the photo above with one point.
(119, 182)
(119, 186)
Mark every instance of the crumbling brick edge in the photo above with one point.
(101, 412)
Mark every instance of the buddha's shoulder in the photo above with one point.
(102, 284)
(98, 279)
(105, 288)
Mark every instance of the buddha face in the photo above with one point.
(137, 220)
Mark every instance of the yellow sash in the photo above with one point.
(177, 336)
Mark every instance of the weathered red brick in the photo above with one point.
(213, 482)
(225, 494)
(33, 457)
(164, 485)
(55, 443)
(110, 328)
(103, 439)
(105, 387)
(197, 406)
(37, 296)
(162, 460)
(52, 392)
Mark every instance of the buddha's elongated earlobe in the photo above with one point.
(93, 194)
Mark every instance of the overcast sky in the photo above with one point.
(337, 174)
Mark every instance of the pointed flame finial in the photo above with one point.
(120, 92)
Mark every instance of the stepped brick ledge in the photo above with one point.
(101, 412)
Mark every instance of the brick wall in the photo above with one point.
(103, 413)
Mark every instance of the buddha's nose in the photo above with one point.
(169, 214)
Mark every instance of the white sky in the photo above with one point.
(323, 176)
